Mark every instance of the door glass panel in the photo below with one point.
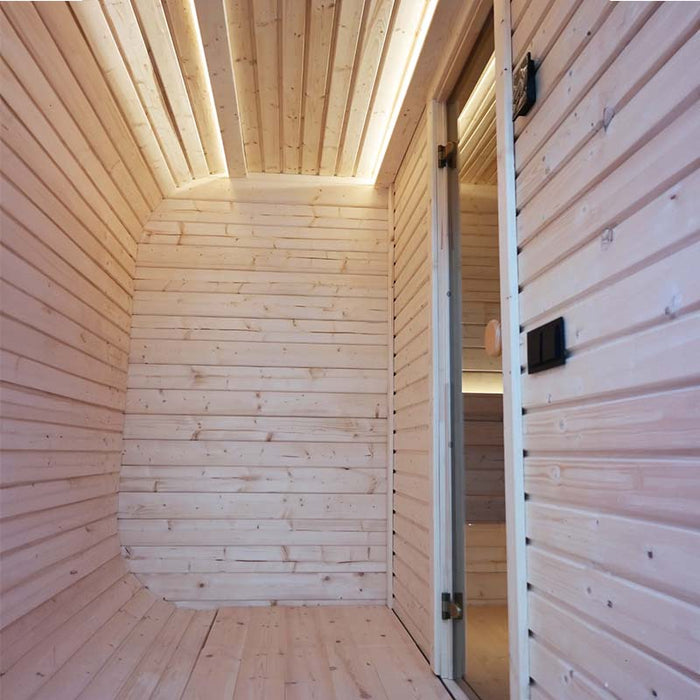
(482, 512)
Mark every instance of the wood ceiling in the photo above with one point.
(252, 86)
(476, 126)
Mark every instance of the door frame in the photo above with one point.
(443, 453)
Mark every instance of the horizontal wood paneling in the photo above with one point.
(483, 458)
(412, 526)
(485, 556)
(608, 232)
(254, 463)
(478, 214)
(76, 190)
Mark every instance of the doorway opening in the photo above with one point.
(479, 531)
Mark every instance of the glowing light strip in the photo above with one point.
(403, 87)
(478, 382)
(210, 91)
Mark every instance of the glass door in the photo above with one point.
(481, 638)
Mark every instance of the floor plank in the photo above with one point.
(487, 651)
(216, 670)
(152, 650)
(172, 682)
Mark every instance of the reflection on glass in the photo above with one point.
(485, 538)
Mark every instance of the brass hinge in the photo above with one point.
(452, 606)
(447, 155)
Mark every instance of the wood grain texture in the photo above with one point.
(412, 524)
(476, 126)
(478, 217)
(485, 556)
(612, 436)
(487, 649)
(483, 458)
(76, 189)
(216, 41)
(274, 315)
(122, 642)
(236, 86)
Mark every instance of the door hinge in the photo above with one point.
(452, 606)
(447, 155)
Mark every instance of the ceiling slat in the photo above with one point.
(372, 46)
(36, 39)
(184, 31)
(126, 28)
(267, 47)
(155, 26)
(476, 126)
(308, 87)
(214, 31)
(47, 106)
(168, 173)
(488, 165)
(317, 65)
(293, 47)
(66, 33)
(349, 24)
(401, 45)
(240, 21)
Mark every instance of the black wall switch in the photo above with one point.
(546, 346)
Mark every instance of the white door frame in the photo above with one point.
(441, 393)
(512, 382)
(512, 403)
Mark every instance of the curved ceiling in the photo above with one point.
(246, 86)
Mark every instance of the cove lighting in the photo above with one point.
(189, 4)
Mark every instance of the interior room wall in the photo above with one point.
(255, 450)
(75, 194)
(485, 535)
(482, 384)
(77, 188)
(478, 205)
(412, 521)
(607, 225)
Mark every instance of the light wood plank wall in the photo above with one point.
(486, 565)
(412, 524)
(484, 533)
(255, 450)
(478, 218)
(607, 190)
(75, 194)
(483, 452)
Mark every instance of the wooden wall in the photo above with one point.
(413, 515)
(255, 450)
(75, 193)
(607, 190)
(478, 215)
(483, 413)
(483, 458)
(486, 565)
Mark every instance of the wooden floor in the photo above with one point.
(487, 651)
(154, 650)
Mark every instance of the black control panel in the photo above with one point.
(546, 346)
